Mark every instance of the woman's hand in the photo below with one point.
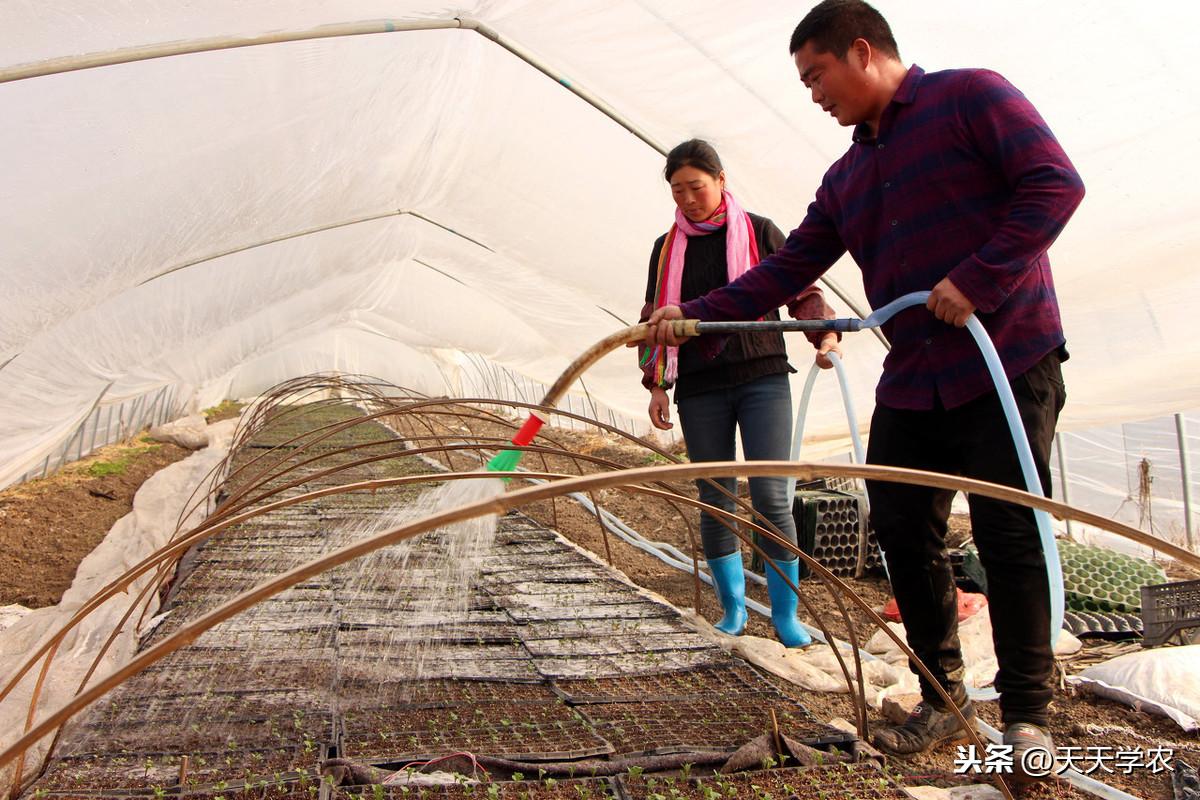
(660, 409)
(829, 344)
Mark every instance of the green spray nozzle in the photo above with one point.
(506, 460)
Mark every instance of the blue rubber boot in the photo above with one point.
(783, 604)
(730, 583)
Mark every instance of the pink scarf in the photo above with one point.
(741, 253)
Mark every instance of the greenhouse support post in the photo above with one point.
(1185, 476)
(95, 427)
(1062, 476)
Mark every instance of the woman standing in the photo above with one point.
(727, 383)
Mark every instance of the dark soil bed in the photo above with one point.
(47, 526)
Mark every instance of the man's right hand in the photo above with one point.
(660, 409)
(829, 344)
(659, 329)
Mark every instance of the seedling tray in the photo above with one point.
(726, 682)
(658, 727)
(834, 782)
(366, 695)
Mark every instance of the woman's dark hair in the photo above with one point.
(693, 153)
(832, 26)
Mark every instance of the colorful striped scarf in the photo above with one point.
(741, 253)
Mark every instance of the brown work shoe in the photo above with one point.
(925, 727)
(1033, 754)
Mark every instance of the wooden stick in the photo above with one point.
(775, 732)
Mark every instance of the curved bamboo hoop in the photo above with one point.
(364, 391)
(817, 568)
(511, 500)
(215, 523)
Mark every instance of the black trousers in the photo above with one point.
(974, 441)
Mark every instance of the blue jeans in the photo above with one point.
(762, 409)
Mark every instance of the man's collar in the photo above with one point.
(905, 94)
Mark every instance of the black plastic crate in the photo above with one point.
(1169, 609)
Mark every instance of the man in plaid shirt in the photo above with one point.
(953, 184)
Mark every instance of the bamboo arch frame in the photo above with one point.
(512, 500)
(367, 389)
(418, 402)
(165, 558)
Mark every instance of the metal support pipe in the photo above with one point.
(124, 425)
(151, 414)
(62, 457)
(140, 407)
(845, 325)
(126, 55)
(1062, 477)
(95, 428)
(1185, 476)
(134, 418)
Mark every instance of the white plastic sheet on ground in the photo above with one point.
(157, 507)
(1161, 681)
(402, 203)
(816, 668)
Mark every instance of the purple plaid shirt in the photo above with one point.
(965, 181)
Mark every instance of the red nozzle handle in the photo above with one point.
(529, 430)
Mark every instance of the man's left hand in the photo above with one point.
(949, 304)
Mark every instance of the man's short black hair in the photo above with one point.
(832, 26)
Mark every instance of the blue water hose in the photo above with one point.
(1033, 484)
(859, 455)
(847, 403)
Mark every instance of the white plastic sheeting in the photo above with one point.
(157, 507)
(1160, 681)
(217, 221)
(1131, 473)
